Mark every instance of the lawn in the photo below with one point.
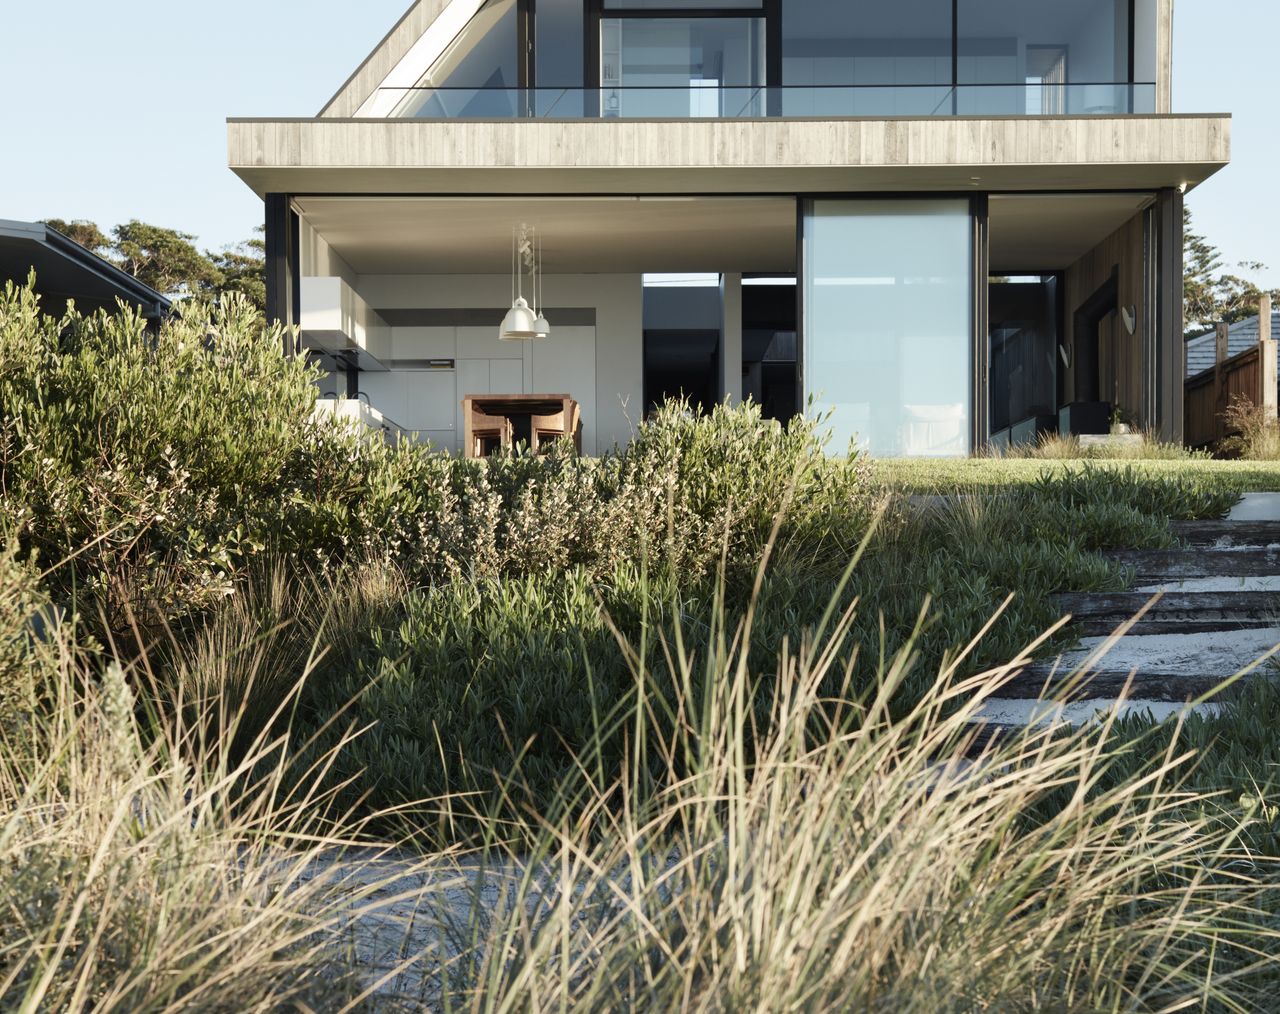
(925, 476)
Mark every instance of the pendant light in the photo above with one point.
(541, 328)
(523, 322)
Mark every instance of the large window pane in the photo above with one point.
(866, 57)
(887, 323)
(685, 5)
(681, 67)
(559, 43)
(1043, 56)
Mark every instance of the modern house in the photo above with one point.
(67, 272)
(947, 223)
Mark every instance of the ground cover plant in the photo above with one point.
(584, 662)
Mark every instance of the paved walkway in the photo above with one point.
(1205, 612)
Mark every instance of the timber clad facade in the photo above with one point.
(944, 224)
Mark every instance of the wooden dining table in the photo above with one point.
(518, 411)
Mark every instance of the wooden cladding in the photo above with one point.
(1249, 377)
(1121, 356)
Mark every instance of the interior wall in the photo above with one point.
(1121, 355)
(558, 364)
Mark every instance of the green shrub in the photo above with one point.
(24, 618)
(146, 468)
(685, 493)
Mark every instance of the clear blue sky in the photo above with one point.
(116, 110)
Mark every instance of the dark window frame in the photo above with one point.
(594, 13)
(770, 11)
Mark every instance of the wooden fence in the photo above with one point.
(1250, 376)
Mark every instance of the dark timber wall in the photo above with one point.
(1123, 359)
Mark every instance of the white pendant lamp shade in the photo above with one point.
(520, 324)
(524, 322)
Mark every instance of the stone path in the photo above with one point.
(1217, 613)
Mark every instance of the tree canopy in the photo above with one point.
(1210, 293)
(169, 261)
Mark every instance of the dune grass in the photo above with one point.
(841, 854)
(671, 749)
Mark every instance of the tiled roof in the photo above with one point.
(1241, 336)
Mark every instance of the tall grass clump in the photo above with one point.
(769, 837)
(146, 867)
(1255, 436)
(843, 858)
(1147, 447)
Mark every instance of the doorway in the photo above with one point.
(682, 341)
(1024, 376)
(770, 349)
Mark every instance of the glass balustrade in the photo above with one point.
(709, 99)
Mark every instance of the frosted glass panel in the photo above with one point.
(887, 319)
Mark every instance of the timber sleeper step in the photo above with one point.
(1155, 566)
(1225, 534)
(1192, 604)
(1058, 684)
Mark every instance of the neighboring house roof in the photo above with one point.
(66, 270)
(1241, 336)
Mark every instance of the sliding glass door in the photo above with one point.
(888, 324)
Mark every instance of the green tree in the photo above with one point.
(1211, 294)
(165, 259)
(169, 261)
(242, 268)
(84, 232)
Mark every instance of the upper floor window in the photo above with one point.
(683, 5)
(733, 58)
(863, 58)
(682, 67)
(1043, 56)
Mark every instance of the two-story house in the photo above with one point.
(946, 223)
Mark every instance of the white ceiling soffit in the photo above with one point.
(414, 235)
(422, 54)
(1035, 232)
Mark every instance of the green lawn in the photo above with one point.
(933, 475)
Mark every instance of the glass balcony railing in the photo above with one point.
(702, 100)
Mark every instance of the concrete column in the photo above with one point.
(731, 338)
